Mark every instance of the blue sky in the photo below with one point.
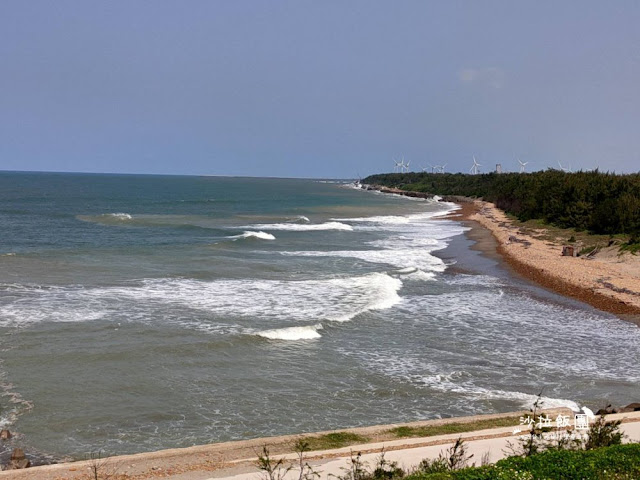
(317, 89)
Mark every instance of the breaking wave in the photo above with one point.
(258, 235)
(200, 304)
(450, 383)
(309, 332)
(119, 216)
(403, 258)
(300, 218)
(298, 227)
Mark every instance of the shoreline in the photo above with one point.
(214, 457)
(237, 459)
(608, 282)
(603, 284)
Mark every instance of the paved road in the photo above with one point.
(407, 457)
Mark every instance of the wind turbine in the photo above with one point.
(474, 168)
(442, 168)
(397, 165)
(406, 165)
(564, 169)
(522, 165)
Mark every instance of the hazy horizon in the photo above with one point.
(317, 90)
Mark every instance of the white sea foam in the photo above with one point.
(153, 220)
(18, 405)
(450, 383)
(442, 213)
(410, 242)
(337, 299)
(300, 218)
(298, 227)
(308, 332)
(119, 216)
(497, 324)
(259, 235)
(107, 218)
(401, 258)
(385, 219)
(406, 271)
(400, 219)
(420, 275)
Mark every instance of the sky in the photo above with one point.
(330, 88)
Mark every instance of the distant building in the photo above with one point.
(498, 168)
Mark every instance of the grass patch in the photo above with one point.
(335, 440)
(632, 245)
(552, 233)
(586, 250)
(459, 427)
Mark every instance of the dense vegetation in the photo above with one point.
(601, 203)
(608, 463)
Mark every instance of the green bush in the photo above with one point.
(604, 434)
(616, 462)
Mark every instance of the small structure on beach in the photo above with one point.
(568, 251)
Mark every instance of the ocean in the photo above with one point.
(143, 312)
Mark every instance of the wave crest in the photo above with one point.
(303, 227)
(309, 332)
(249, 234)
(336, 299)
(119, 216)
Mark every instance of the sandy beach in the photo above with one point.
(608, 280)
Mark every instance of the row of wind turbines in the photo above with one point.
(476, 170)
(399, 166)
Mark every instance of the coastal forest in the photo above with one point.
(597, 202)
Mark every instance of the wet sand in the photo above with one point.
(610, 283)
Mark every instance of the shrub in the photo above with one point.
(603, 434)
(359, 470)
(608, 463)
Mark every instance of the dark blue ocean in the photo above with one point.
(148, 312)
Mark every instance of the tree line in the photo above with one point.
(602, 203)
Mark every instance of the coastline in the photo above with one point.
(607, 281)
(208, 460)
(604, 283)
(237, 460)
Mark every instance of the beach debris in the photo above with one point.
(611, 286)
(568, 251)
(18, 460)
(514, 239)
(5, 434)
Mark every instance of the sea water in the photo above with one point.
(147, 312)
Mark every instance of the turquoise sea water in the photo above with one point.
(148, 312)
